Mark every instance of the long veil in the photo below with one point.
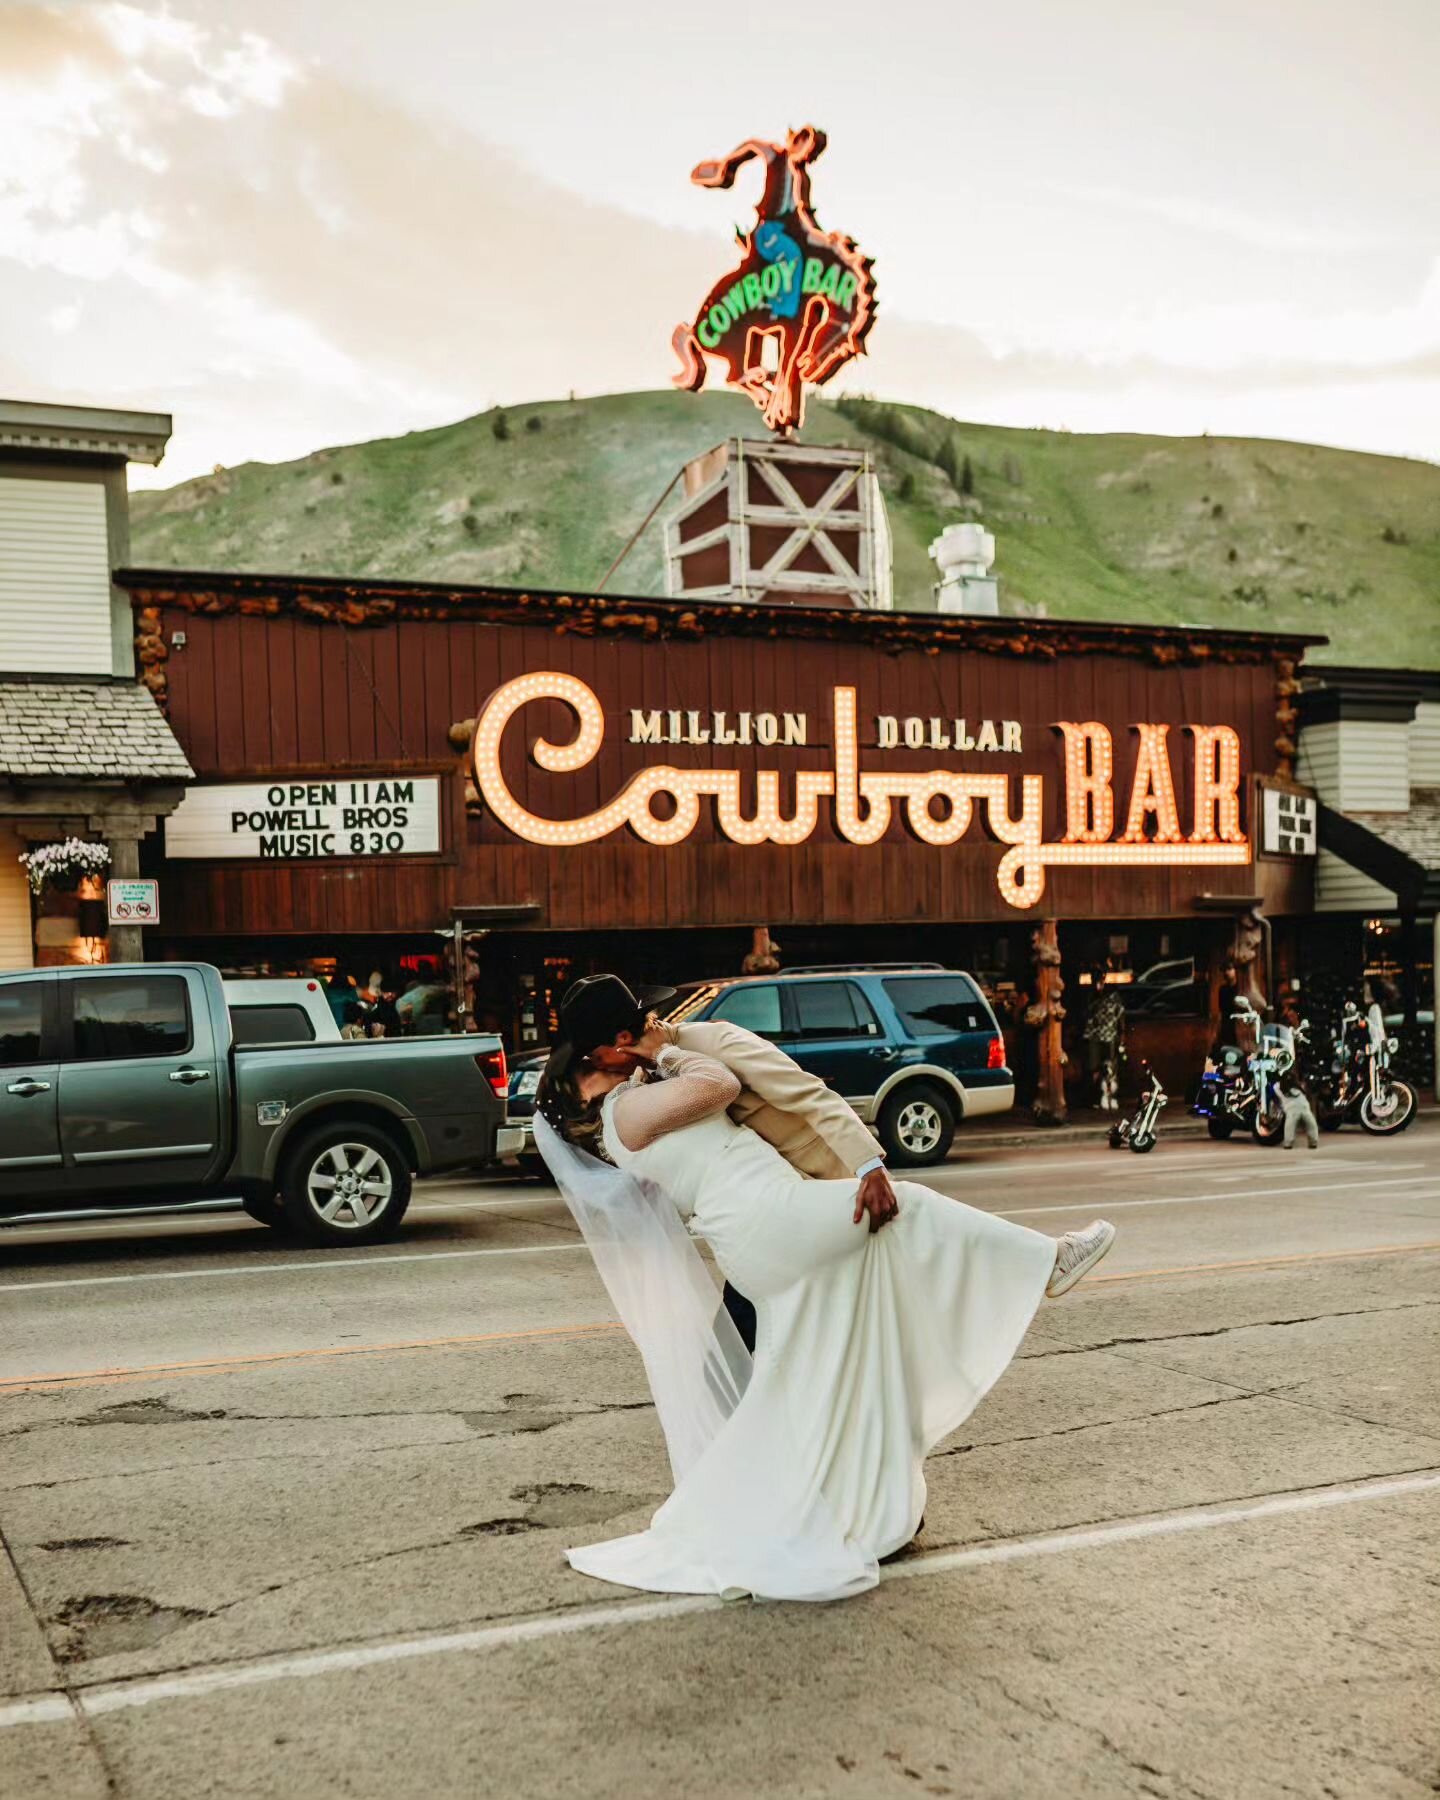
(696, 1364)
(747, 1514)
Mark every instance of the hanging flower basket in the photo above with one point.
(62, 865)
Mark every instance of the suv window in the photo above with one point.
(280, 1023)
(932, 1006)
(21, 1010)
(833, 1009)
(130, 1015)
(756, 1008)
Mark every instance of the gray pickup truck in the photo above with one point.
(123, 1085)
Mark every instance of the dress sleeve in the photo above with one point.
(694, 1087)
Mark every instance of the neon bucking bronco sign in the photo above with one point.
(799, 303)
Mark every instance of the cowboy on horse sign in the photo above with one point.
(801, 300)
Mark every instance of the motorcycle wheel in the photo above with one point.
(1268, 1127)
(1398, 1115)
(1220, 1128)
(1142, 1141)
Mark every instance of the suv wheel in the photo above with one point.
(345, 1184)
(917, 1126)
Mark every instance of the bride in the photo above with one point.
(797, 1475)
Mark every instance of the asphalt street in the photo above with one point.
(291, 1523)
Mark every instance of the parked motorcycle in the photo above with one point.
(1239, 1091)
(1141, 1129)
(1361, 1085)
(1275, 1054)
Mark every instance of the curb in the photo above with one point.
(1092, 1129)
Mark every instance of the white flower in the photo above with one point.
(51, 860)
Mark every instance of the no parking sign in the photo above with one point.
(133, 902)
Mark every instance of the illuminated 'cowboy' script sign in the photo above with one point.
(866, 800)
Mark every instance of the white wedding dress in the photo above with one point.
(870, 1348)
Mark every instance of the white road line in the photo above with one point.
(1301, 1189)
(356, 1260)
(154, 1222)
(146, 1690)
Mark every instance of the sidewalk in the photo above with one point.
(1085, 1124)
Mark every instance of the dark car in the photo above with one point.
(914, 1049)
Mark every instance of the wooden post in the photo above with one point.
(1050, 1108)
(123, 828)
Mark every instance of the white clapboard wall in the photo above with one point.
(1425, 746)
(54, 578)
(1357, 765)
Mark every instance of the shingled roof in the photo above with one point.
(84, 730)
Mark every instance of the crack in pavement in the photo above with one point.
(1050, 1714)
(1169, 1337)
(83, 1723)
(501, 1422)
(1165, 1412)
(1217, 1502)
(1281, 1393)
(76, 1681)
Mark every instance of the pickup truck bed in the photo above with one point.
(122, 1085)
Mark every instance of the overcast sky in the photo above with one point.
(354, 217)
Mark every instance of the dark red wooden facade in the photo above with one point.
(282, 677)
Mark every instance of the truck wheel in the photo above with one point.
(345, 1184)
(917, 1126)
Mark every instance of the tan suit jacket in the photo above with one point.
(811, 1127)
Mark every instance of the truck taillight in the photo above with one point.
(492, 1065)
(995, 1055)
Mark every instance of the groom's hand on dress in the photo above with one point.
(876, 1196)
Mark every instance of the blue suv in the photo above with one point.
(913, 1047)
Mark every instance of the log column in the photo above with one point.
(1050, 1107)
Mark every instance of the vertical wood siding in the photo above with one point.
(252, 696)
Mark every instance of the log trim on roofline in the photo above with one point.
(332, 600)
(335, 600)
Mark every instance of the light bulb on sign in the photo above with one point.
(1090, 807)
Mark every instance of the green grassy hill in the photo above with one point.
(1202, 531)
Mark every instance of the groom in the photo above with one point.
(812, 1128)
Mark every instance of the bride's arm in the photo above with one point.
(696, 1086)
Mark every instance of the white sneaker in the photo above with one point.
(1076, 1254)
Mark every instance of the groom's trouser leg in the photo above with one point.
(743, 1313)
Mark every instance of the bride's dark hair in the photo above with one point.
(559, 1103)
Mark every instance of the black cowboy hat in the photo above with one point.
(599, 1007)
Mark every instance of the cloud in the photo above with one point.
(193, 219)
(1190, 213)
